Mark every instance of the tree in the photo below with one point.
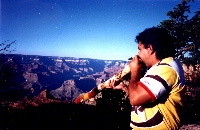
(5, 47)
(186, 30)
(7, 68)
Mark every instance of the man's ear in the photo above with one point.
(151, 48)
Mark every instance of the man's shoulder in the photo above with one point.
(173, 63)
(167, 60)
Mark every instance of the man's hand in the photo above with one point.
(135, 67)
(119, 86)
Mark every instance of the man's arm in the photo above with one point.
(138, 94)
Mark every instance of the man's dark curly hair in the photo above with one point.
(160, 39)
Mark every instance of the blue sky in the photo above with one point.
(98, 29)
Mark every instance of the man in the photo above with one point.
(156, 98)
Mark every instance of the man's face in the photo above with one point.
(144, 53)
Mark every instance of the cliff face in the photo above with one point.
(63, 77)
(43, 88)
(68, 90)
